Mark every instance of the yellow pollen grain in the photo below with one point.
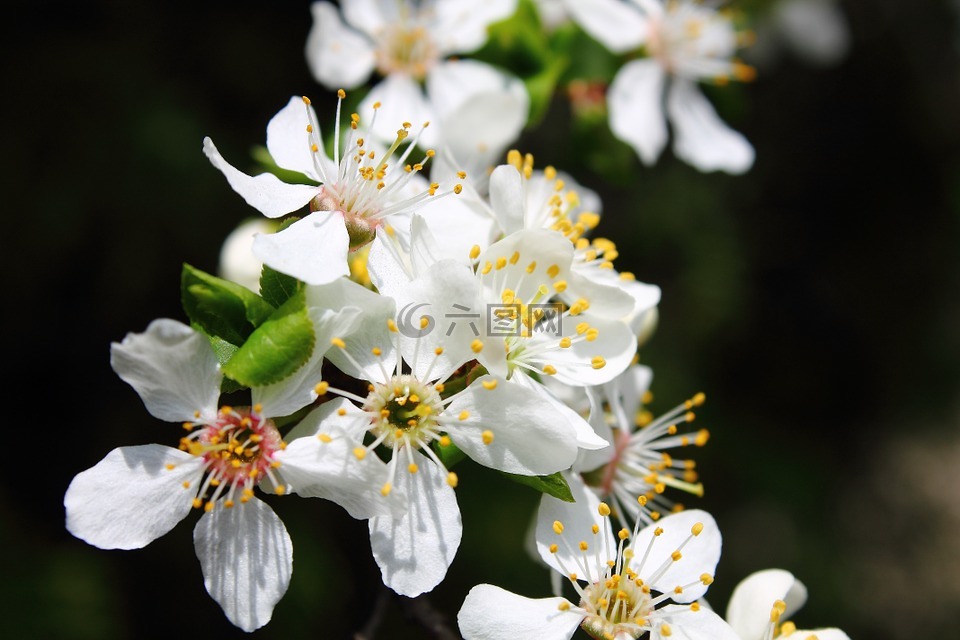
(306, 100)
(553, 271)
(321, 388)
(676, 555)
(474, 251)
(549, 369)
(377, 351)
(597, 362)
(665, 630)
(487, 436)
(477, 345)
(563, 606)
(385, 489)
(359, 453)
(623, 534)
(463, 415)
(208, 507)
(453, 480)
(604, 509)
(697, 529)
(558, 528)
(445, 441)
(583, 545)
(490, 385)
(337, 342)
(412, 467)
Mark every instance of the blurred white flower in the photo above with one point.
(237, 262)
(763, 600)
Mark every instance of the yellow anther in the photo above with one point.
(676, 555)
(595, 528)
(445, 441)
(377, 351)
(314, 148)
(306, 100)
(323, 437)
(208, 507)
(197, 503)
(501, 263)
(597, 362)
(565, 342)
(695, 606)
(697, 529)
(558, 528)
(532, 266)
(604, 509)
(702, 436)
(487, 266)
(549, 369)
(553, 271)
(658, 531)
(188, 426)
(452, 479)
(515, 257)
(474, 251)
(439, 386)
(463, 415)
(337, 342)
(487, 436)
(280, 489)
(412, 467)
(706, 579)
(490, 385)
(560, 286)
(623, 534)
(321, 388)
(424, 322)
(391, 325)
(592, 334)
(665, 630)
(583, 545)
(360, 453)
(788, 628)
(341, 94)
(642, 500)
(563, 606)
(457, 188)
(385, 489)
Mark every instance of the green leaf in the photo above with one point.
(219, 307)
(224, 351)
(552, 485)
(276, 349)
(276, 288)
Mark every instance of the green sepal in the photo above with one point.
(277, 348)
(219, 307)
(552, 485)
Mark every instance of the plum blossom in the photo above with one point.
(408, 43)
(136, 494)
(687, 42)
(760, 604)
(408, 411)
(627, 583)
(357, 192)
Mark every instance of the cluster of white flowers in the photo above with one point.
(453, 300)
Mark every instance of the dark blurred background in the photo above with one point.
(814, 300)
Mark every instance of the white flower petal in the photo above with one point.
(247, 560)
(401, 100)
(577, 519)
(130, 498)
(455, 224)
(237, 263)
(317, 469)
(388, 264)
(368, 330)
(461, 27)
(607, 298)
(529, 437)
(447, 295)
(519, 250)
(173, 369)
(586, 436)
(492, 613)
(289, 142)
(313, 249)
(693, 625)
(748, 610)
(700, 137)
(297, 390)
(699, 556)
(615, 343)
(821, 634)
(265, 192)
(415, 549)
(339, 57)
(369, 16)
(507, 198)
(614, 24)
(625, 393)
(635, 100)
(588, 460)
